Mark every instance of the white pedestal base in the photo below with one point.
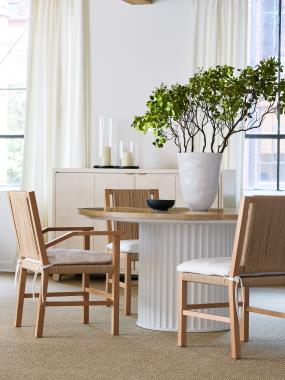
(162, 247)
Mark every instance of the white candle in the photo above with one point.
(106, 156)
(127, 159)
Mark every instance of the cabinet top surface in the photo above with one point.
(128, 214)
(117, 171)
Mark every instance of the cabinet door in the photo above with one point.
(108, 181)
(111, 181)
(165, 183)
(73, 190)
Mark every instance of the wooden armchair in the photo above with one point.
(129, 232)
(38, 257)
(258, 259)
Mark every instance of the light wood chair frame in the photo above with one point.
(110, 299)
(128, 258)
(239, 330)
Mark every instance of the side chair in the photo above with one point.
(257, 260)
(37, 256)
(129, 232)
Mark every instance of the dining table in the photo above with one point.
(166, 239)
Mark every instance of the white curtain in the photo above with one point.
(57, 112)
(219, 36)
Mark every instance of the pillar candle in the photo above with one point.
(127, 159)
(106, 156)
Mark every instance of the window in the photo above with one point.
(13, 72)
(264, 165)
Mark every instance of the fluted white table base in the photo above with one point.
(162, 247)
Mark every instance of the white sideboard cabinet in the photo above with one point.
(74, 188)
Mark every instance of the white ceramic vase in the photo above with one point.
(199, 178)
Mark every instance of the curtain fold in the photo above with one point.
(57, 111)
(219, 36)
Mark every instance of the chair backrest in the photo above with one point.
(259, 245)
(27, 226)
(128, 198)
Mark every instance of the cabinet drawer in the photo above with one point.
(165, 183)
(111, 181)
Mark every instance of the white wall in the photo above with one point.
(8, 250)
(133, 49)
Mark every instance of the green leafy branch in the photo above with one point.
(214, 104)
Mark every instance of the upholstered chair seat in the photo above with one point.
(62, 256)
(218, 266)
(127, 246)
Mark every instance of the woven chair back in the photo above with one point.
(27, 226)
(128, 198)
(260, 238)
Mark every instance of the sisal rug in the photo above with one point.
(70, 350)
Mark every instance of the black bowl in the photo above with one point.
(160, 204)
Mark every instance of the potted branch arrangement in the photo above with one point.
(201, 116)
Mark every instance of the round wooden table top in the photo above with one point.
(130, 214)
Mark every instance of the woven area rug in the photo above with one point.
(70, 350)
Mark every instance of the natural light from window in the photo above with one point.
(13, 70)
(264, 150)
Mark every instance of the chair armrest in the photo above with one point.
(49, 229)
(81, 233)
(97, 233)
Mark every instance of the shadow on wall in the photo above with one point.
(8, 246)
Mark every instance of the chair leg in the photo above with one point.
(244, 327)
(128, 283)
(234, 324)
(108, 286)
(42, 305)
(115, 303)
(20, 298)
(182, 300)
(85, 309)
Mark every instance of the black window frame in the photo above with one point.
(274, 136)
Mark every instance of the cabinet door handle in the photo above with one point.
(141, 173)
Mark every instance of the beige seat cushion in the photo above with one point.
(63, 256)
(127, 246)
(217, 266)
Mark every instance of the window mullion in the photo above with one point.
(21, 136)
(278, 112)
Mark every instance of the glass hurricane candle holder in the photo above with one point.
(106, 152)
(127, 154)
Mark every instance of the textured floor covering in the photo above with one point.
(70, 350)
